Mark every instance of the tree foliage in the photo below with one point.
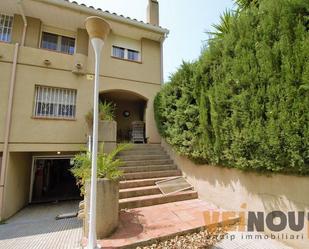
(245, 102)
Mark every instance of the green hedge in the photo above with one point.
(245, 102)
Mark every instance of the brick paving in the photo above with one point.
(140, 226)
(35, 227)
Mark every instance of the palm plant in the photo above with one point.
(107, 166)
(224, 26)
(106, 112)
(244, 4)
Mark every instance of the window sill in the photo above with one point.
(56, 51)
(54, 118)
(138, 62)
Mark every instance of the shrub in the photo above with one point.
(245, 102)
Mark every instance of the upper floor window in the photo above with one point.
(118, 52)
(133, 55)
(126, 54)
(58, 43)
(51, 102)
(6, 23)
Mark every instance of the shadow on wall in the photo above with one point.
(229, 188)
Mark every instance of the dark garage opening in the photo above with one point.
(53, 181)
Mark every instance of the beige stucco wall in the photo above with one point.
(29, 134)
(229, 188)
(16, 194)
(33, 33)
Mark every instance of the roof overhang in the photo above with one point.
(70, 16)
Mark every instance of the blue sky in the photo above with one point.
(187, 21)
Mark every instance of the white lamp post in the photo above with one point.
(98, 29)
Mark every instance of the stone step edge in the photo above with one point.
(144, 188)
(156, 179)
(173, 171)
(147, 167)
(141, 198)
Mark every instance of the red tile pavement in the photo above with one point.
(139, 225)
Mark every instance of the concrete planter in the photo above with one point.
(108, 134)
(107, 207)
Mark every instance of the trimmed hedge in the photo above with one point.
(245, 102)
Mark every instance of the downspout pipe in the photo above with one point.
(22, 12)
(7, 130)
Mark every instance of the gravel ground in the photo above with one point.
(200, 240)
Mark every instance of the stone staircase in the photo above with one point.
(145, 164)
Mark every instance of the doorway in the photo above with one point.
(52, 181)
(130, 108)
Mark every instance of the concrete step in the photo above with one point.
(139, 191)
(141, 152)
(142, 157)
(151, 174)
(144, 201)
(145, 146)
(142, 182)
(147, 168)
(148, 162)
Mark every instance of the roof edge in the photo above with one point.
(114, 17)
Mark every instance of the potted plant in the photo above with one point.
(107, 124)
(108, 175)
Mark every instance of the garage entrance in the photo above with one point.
(53, 181)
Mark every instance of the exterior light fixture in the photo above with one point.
(58, 152)
(98, 29)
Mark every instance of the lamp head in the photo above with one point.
(97, 27)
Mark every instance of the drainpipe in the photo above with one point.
(21, 10)
(8, 128)
(162, 62)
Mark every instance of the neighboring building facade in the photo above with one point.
(46, 89)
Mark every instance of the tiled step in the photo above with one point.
(143, 201)
(142, 157)
(148, 162)
(133, 169)
(151, 174)
(141, 152)
(140, 191)
(142, 182)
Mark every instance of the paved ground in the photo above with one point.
(35, 227)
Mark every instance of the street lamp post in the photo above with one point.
(98, 29)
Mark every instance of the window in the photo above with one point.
(118, 52)
(53, 102)
(132, 55)
(58, 43)
(127, 54)
(6, 23)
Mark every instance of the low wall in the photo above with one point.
(230, 188)
(16, 190)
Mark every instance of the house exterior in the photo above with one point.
(46, 88)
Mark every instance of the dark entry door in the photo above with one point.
(53, 181)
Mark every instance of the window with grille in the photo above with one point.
(58, 43)
(6, 23)
(133, 55)
(51, 102)
(126, 54)
(118, 52)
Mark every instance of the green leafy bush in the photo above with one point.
(107, 166)
(106, 112)
(245, 102)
